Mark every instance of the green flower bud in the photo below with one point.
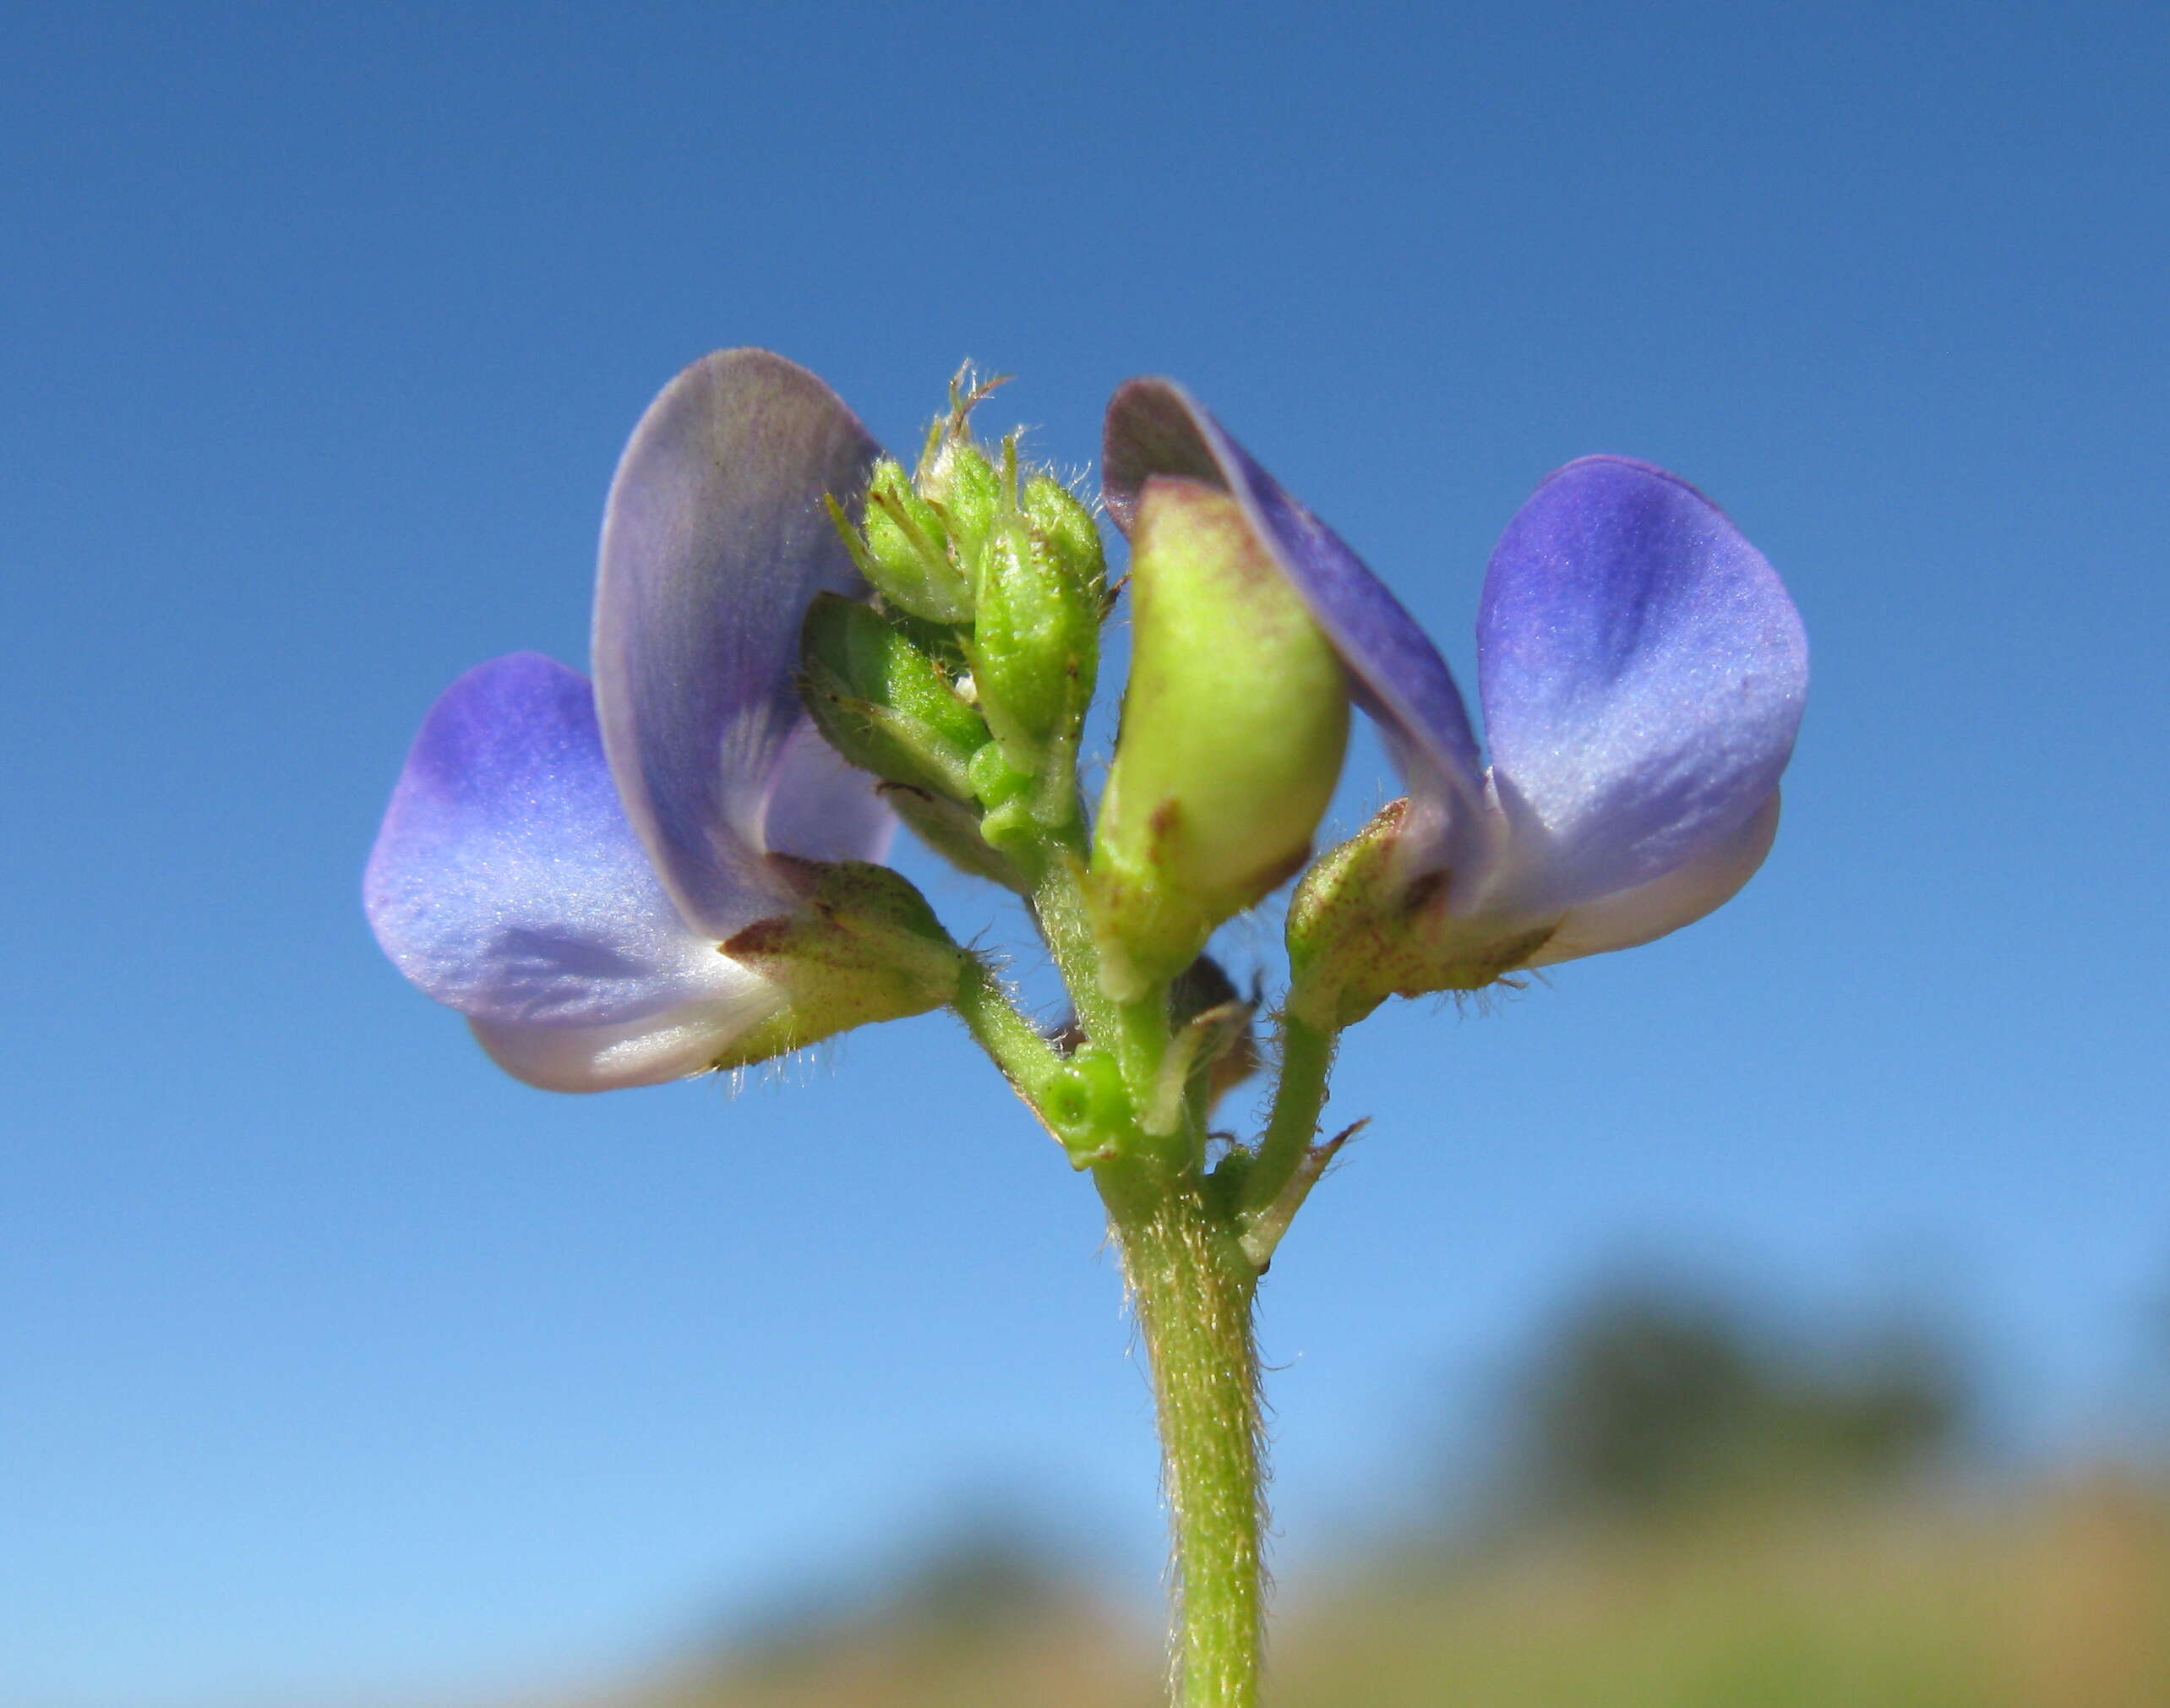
(1234, 727)
(1008, 796)
(996, 781)
(906, 553)
(1064, 528)
(883, 703)
(1035, 643)
(957, 478)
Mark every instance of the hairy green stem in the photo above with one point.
(1136, 1034)
(1193, 1288)
(1192, 1253)
(1027, 1060)
(1298, 1098)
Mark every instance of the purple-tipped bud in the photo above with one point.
(1234, 727)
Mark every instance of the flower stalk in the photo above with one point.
(1182, 1237)
(1193, 1287)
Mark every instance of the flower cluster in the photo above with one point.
(675, 869)
(798, 640)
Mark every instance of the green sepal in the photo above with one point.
(1235, 724)
(861, 946)
(883, 703)
(1362, 929)
(1147, 931)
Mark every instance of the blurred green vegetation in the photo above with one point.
(1692, 1512)
(1651, 1400)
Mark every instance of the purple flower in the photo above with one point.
(568, 867)
(1642, 671)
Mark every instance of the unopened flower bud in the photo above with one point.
(957, 479)
(883, 703)
(1234, 727)
(1064, 528)
(1036, 632)
(1007, 795)
(906, 553)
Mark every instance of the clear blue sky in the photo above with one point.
(334, 1363)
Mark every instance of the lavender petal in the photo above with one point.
(506, 882)
(1643, 672)
(821, 808)
(714, 543)
(1655, 909)
(674, 1045)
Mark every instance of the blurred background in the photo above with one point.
(1776, 1315)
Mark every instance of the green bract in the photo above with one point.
(1233, 734)
(884, 703)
